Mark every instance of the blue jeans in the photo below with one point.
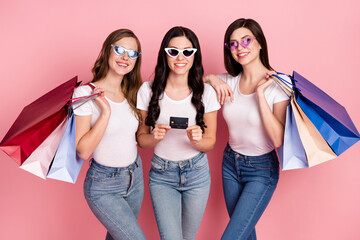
(115, 196)
(249, 183)
(179, 193)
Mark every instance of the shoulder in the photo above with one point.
(227, 77)
(146, 87)
(83, 90)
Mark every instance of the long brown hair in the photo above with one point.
(233, 67)
(131, 81)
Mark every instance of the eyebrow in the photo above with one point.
(241, 37)
(179, 48)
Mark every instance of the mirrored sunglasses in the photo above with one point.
(174, 52)
(119, 50)
(245, 42)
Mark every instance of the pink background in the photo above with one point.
(44, 43)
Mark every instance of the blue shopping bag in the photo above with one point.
(292, 153)
(328, 116)
(66, 164)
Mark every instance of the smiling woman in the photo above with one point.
(114, 184)
(179, 176)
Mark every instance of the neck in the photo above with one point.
(177, 81)
(111, 82)
(254, 71)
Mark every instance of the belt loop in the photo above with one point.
(191, 162)
(166, 164)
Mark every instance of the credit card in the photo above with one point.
(179, 122)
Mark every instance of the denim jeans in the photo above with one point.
(115, 196)
(179, 193)
(249, 183)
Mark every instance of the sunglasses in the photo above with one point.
(245, 42)
(119, 50)
(174, 52)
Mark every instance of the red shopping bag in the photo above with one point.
(37, 121)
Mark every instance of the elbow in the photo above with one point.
(278, 142)
(83, 154)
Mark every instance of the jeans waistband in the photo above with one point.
(181, 164)
(233, 153)
(132, 166)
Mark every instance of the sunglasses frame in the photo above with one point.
(114, 47)
(180, 51)
(241, 43)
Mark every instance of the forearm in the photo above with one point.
(206, 144)
(89, 141)
(146, 140)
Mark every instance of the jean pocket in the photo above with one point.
(156, 166)
(263, 164)
(97, 175)
(202, 163)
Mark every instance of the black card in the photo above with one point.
(179, 122)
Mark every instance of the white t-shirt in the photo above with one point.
(247, 134)
(176, 145)
(117, 147)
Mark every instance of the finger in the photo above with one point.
(231, 94)
(218, 94)
(192, 127)
(164, 126)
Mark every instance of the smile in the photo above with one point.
(180, 64)
(243, 54)
(122, 64)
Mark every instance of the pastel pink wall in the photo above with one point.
(44, 43)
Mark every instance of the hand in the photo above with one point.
(265, 83)
(194, 134)
(101, 101)
(160, 130)
(222, 89)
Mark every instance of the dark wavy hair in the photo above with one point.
(195, 81)
(131, 81)
(233, 67)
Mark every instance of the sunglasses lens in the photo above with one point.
(133, 54)
(119, 50)
(188, 53)
(173, 52)
(246, 42)
(233, 45)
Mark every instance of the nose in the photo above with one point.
(180, 56)
(125, 56)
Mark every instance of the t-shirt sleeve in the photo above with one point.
(210, 100)
(82, 108)
(143, 96)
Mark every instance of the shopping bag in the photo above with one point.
(38, 163)
(66, 165)
(328, 116)
(292, 153)
(37, 121)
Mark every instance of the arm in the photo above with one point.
(223, 90)
(145, 138)
(87, 138)
(204, 142)
(274, 122)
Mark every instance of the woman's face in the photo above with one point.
(245, 55)
(180, 65)
(122, 64)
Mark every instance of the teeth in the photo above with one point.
(243, 54)
(180, 64)
(122, 64)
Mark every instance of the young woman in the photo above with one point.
(182, 112)
(106, 128)
(255, 118)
